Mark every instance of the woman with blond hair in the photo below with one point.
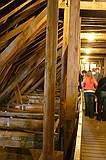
(89, 85)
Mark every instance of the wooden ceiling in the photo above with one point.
(93, 20)
(22, 41)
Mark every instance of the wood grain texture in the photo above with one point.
(93, 143)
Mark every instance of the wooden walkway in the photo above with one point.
(24, 154)
(93, 141)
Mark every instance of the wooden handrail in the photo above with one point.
(79, 133)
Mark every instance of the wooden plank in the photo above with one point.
(24, 107)
(14, 32)
(89, 5)
(21, 75)
(4, 73)
(77, 153)
(38, 108)
(13, 11)
(94, 51)
(63, 78)
(31, 80)
(37, 152)
(104, 65)
(39, 99)
(21, 115)
(8, 153)
(18, 94)
(98, 36)
(72, 68)
(93, 134)
(50, 79)
(93, 5)
(20, 39)
(21, 124)
(20, 139)
(56, 125)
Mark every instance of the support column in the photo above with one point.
(72, 67)
(64, 75)
(105, 66)
(50, 80)
(18, 94)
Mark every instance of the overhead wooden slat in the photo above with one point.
(31, 7)
(89, 5)
(101, 36)
(15, 31)
(4, 19)
(6, 4)
(93, 57)
(20, 75)
(93, 5)
(15, 20)
(94, 50)
(20, 40)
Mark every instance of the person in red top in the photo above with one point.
(89, 85)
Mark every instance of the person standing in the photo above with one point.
(84, 72)
(101, 99)
(81, 77)
(98, 75)
(89, 85)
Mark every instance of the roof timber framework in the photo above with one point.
(23, 46)
(93, 20)
(22, 35)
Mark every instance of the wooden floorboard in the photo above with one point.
(15, 154)
(8, 153)
(93, 142)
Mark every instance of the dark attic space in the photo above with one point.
(45, 45)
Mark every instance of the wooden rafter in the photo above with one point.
(88, 5)
(21, 39)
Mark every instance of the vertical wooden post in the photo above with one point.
(64, 75)
(18, 94)
(50, 80)
(72, 67)
(104, 66)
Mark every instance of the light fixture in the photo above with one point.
(91, 37)
(88, 50)
(85, 59)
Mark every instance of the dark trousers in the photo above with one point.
(89, 104)
(102, 106)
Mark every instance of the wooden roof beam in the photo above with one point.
(94, 51)
(92, 57)
(3, 19)
(93, 5)
(15, 31)
(88, 5)
(21, 39)
(100, 36)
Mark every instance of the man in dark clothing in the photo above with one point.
(81, 76)
(98, 75)
(102, 99)
(80, 81)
